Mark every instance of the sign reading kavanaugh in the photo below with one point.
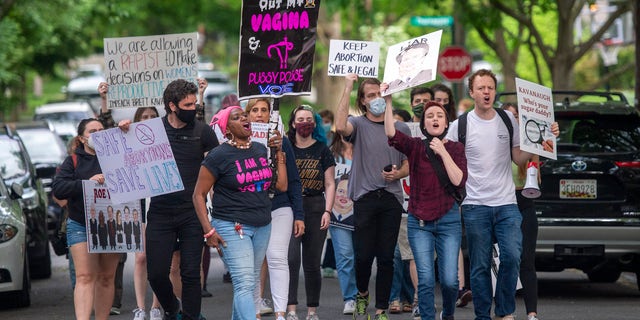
(277, 44)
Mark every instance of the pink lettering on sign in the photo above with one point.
(280, 21)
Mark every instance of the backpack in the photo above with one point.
(462, 126)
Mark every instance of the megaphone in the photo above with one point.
(531, 189)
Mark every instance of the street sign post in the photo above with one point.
(432, 21)
(454, 63)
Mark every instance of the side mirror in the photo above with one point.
(16, 191)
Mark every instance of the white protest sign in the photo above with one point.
(535, 109)
(351, 56)
(111, 227)
(139, 163)
(412, 62)
(138, 69)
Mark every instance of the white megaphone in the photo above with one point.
(531, 189)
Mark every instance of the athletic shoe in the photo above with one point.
(114, 311)
(361, 308)
(312, 316)
(291, 315)
(155, 314)
(206, 294)
(464, 297)
(381, 316)
(349, 307)
(532, 317)
(226, 278)
(139, 314)
(265, 307)
(415, 312)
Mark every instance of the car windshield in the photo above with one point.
(13, 163)
(55, 116)
(596, 133)
(43, 145)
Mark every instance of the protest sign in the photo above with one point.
(277, 44)
(139, 163)
(138, 69)
(535, 108)
(350, 56)
(111, 227)
(412, 62)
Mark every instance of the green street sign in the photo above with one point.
(432, 21)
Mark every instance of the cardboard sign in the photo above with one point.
(138, 69)
(277, 44)
(535, 108)
(139, 163)
(351, 56)
(111, 227)
(412, 62)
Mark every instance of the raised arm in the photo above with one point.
(389, 126)
(342, 114)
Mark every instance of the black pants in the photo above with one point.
(377, 222)
(162, 231)
(528, 275)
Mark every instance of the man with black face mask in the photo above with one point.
(172, 217)
(419, 97)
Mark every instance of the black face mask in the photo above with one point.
(185, 116)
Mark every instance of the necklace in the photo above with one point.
(240, 146)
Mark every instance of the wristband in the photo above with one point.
(210, 233)
(328, 211)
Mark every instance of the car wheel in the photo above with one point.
(41, 269)
(604, 273)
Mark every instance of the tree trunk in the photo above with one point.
(327, 88)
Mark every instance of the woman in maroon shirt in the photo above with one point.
(434, 219)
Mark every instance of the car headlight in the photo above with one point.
(7, 232)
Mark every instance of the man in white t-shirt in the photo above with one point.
(490, 210)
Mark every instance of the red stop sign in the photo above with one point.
(454, 63)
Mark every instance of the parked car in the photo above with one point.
(85, 82)
(47, 152)
(17, 168)
(589, 210)
(15, 283)
(64, 116)
(219, 86)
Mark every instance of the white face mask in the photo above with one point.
(90, 143)
(377, 106)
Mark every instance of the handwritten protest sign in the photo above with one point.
(277, 44)
(140, 68)
(111, 227)
(412, 62)
(350, 56)
(139, 163)
(535, 107)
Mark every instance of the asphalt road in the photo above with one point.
(565, 295)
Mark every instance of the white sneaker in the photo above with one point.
(532, 317)
(349, 307)
(155, 314)
(265, 306)
(139, 314)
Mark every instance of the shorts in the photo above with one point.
(403, 240)
(76, 232)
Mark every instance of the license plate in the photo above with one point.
(578, 189)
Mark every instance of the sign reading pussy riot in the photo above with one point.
(140, 68)
(277, 43)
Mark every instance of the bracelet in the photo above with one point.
(210, 233)
(328, 211)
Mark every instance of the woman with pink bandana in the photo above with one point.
(239, 173)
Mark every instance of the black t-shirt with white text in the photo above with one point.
(312, 162)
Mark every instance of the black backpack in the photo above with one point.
(462, 126)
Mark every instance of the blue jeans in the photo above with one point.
(485, 225)
(442, 236)
(345, 264)
(244, 258)
(402, 287)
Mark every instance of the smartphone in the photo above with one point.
(388, 168)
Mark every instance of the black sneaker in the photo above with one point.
(362, 302)
(226, 278)
(206, 294)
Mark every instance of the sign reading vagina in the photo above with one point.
(139, 163)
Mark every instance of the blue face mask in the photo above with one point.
(326, 127)
(377, 106)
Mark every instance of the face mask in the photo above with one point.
(326, 127)
(304, 129)
(90, 143)
(418, 109)
(377, 106)
(186, 116)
